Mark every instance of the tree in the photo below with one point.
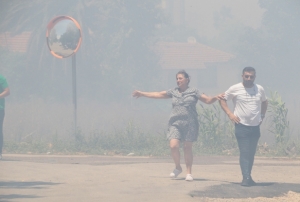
(275, 47)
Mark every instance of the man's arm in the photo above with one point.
(5, 93)
(226, 109)
(264, 106)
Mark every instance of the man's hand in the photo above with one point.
(262, 118)
(234, 118)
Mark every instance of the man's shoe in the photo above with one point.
(246, 182)
(252, 183)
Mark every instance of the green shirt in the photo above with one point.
(3, 85)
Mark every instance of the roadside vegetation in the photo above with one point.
(216, 137)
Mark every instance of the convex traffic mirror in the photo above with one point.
(63, 36)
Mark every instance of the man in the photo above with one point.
(250, 106)
(4, 91)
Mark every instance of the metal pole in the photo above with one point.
(74, 91)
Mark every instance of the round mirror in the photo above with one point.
(63, 36)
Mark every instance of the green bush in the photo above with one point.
(131, 140)
(216, 136)
(279, 124)
(216, 132)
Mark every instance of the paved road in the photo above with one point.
(50, 178)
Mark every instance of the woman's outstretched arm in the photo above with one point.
(209, 100)
(157, 95)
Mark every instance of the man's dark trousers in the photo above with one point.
(247, 138)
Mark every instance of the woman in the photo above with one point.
(183, 123)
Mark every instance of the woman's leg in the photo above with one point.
(174, 146)
(188, 156)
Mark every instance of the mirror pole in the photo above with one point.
(74, 92)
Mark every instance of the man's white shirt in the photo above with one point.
(247, 102)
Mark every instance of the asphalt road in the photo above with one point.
(48, 178)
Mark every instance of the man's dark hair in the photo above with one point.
(249, 69)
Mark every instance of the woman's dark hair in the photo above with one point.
(184, 74)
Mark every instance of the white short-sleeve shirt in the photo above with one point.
(247, 102)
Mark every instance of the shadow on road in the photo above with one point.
(22, 185)
(7, 198)
(25, 185)
(235, 190)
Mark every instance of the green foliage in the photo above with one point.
(120, 142)
(280, 128)
(36, 147)
(130, 140)
(216, 134)
(279, 124)
(290, 149)
(210, 121)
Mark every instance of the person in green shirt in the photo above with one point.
(4, 91)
